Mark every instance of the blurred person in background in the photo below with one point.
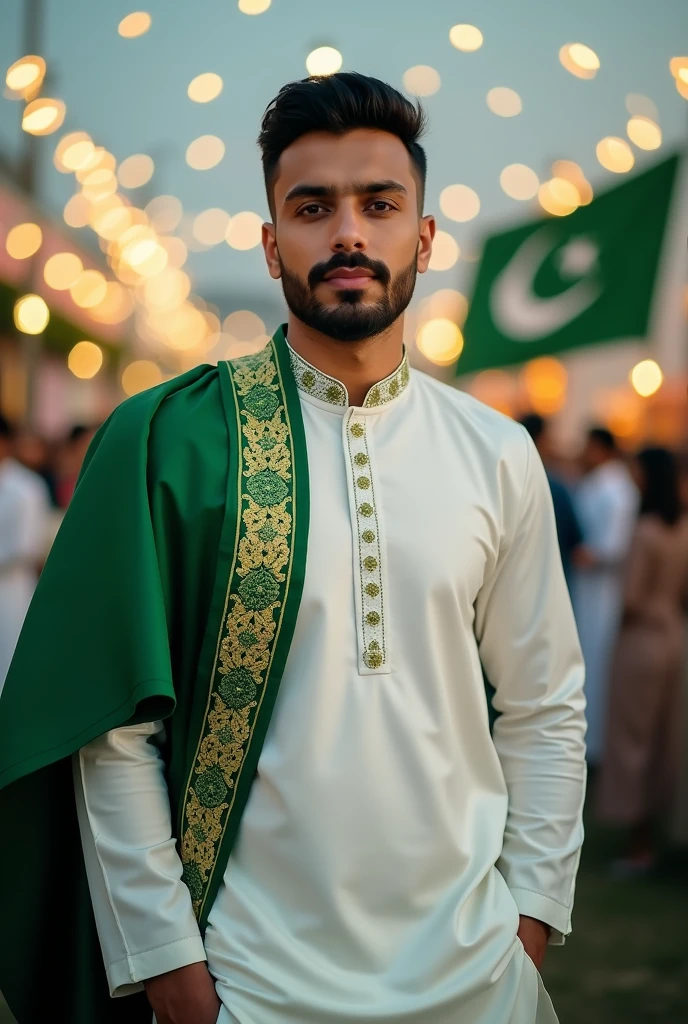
(24, 506)
(35, 453)
(569, 531)
(637, 782)
(679, 830)
(395, 861)
(606, 500)
(69, 461)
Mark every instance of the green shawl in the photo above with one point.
(171, 593)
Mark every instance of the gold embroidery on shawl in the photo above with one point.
(257, 590)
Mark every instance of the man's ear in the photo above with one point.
(428, 227)
(270, 250)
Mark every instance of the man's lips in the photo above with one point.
(355, 277)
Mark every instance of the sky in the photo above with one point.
(131, 96)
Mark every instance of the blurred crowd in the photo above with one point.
(622, 523)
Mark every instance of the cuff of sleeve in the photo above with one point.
(126, 976)
(543, 908)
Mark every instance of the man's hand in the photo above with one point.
(184, 996)
(534, 935)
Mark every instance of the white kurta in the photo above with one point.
(24, 519)
(389, 843)
(607, 505)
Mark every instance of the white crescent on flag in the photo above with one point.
(524, 316)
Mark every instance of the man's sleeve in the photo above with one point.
(143, 911)
(530, 651)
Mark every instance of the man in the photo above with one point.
(569, 532)
(23, 535)
(321, 517)
(607, 505)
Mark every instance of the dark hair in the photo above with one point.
(77, 432)
(534, 424)
(661, 495)
(6, 428)
(339, 104)
(603, 437)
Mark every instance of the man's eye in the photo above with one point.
(381, 206)
(312, 208)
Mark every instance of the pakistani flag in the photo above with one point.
(564, 282)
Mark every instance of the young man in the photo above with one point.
(321, 518)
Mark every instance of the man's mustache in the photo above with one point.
(349, 261)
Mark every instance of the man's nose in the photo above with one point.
(348, 234)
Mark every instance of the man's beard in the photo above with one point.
(351, 319)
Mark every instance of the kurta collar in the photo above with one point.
(314, 383)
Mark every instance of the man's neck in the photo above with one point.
(359, 365)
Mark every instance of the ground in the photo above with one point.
(627, 960)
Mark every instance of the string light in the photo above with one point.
(459, 202)
(467, 38)
(445, 251)
(646, 378)
(579, 59)
(644, 132)
(422, 80)
(25, 75)
(245, 230)
(85, 359)
(62, 270)
(135, 171)
(205, 88)
(325, 60)
(31, 314)
(43, 116)
(504, 102)
(134, 25)
(519, 182)
(615, 154)
(23, 241)
(254, 6)
(140, 375)
(205, 152)
(440, 340)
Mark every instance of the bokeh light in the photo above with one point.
(134, 25)
(445, 251)
(177, 253)
(136, 170)
(245, 230)
(205, 88)
(165, 213)
(445, 303)
(243, 325)
(615, 154)
(559, 197)
(89, 289)
(646, 377)
(23, 240)
(168, 289)
(519, 181)
(31, 314)
(570, 171)
(77, 210)
(205, 152)
(422, 80)
(467, 38)
(459, 202)
(644, 132)
(496, 389)
(116, 307)
(85, 359)
(254, 6)
(545, 382)
(26, 74)
(504, 102)
(440, 340)
(62, 270)
(579, 59)
(43, 116)
(140, 375)
(210, 226)
(324, 60)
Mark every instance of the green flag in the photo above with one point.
(563, 282)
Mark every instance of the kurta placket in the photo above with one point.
(369, 552)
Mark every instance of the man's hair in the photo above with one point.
(661, 494)
(339, 104)
(534, 424)
(604, 438)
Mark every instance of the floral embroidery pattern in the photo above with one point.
(257, 591)
(314, 382)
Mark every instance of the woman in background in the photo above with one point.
(640, 767)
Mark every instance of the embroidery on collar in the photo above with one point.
(327, 389)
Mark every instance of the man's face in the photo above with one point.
(348, 239)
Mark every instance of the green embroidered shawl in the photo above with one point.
(171, 593)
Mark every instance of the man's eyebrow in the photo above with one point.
(357, 188)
